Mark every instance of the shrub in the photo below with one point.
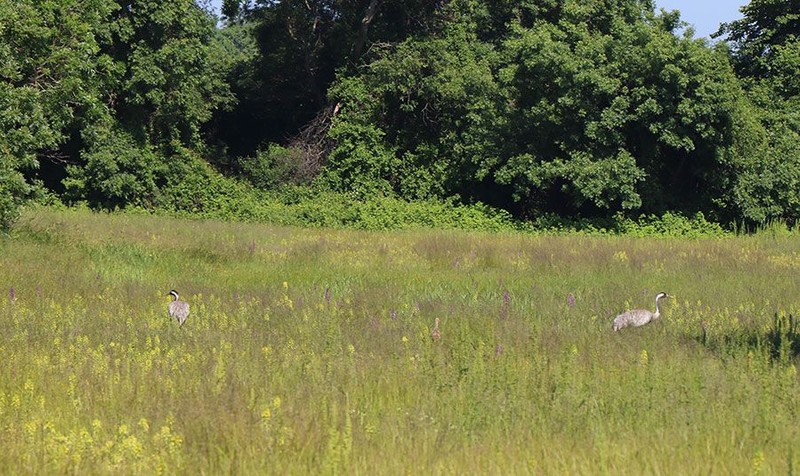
(668, 225)
(12, 191)
(119, 171)
(275, 166)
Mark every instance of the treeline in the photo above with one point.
(560, 108)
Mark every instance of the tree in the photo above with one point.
(612, 111)
(301, 45)
(168, 84)
(574, 107)
(169, 78)
(765, 50)
(51, 81)
(760, 36)
(420, 121)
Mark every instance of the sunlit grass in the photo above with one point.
(310, 351)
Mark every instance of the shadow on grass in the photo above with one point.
(781, 341)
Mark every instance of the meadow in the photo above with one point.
(309, 351)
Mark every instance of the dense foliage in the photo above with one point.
(99, 96)
(576, 109)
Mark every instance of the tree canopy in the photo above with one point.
(574, 108)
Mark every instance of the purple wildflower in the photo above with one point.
(504, 307)
(571, 300)
(12, 296)
(498, 349)
(328, 295)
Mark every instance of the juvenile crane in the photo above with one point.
(638, 317)
(179, 310)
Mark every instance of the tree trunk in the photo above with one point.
(372, 10)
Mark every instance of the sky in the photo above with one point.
(704, 15)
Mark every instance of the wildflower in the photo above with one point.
(328, 295)
(12, 296)
(504, 307)
(393, 314)
(285, 286)
(571, 300)
(498, 349)
(758, 461)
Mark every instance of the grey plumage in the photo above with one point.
(179, 310)
(638, 317)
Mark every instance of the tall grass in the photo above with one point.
(309, 351)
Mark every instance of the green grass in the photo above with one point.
(269, 375)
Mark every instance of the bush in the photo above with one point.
(275, 166)
(9, 210)
(190, 187)
(386, 213)
(668, 225)
(12, 191)
(194, 189)
(119, 171)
